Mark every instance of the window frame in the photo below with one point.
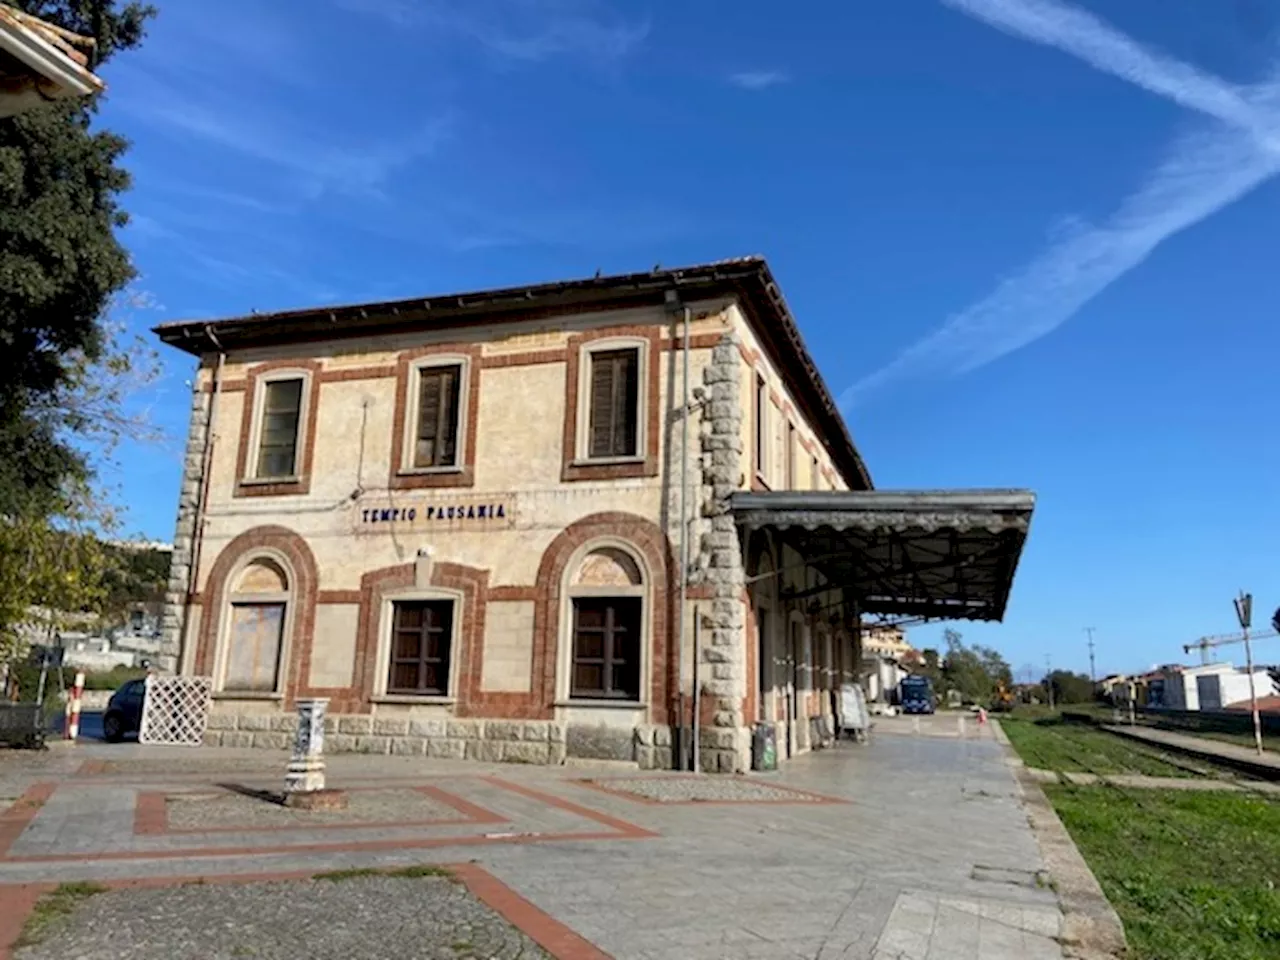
(413, 402)
(230, 599)
(761, 447)
(790, 461)
(570, 592)
(607, 660)
(582, 429)
(422, 659)
(262, 381)
(386, 629)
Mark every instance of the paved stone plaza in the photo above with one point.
(910, 847)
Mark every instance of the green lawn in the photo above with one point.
(1077, 748)
(1194, 875)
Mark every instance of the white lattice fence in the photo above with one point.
(175, 710)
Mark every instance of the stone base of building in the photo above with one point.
(721, 750)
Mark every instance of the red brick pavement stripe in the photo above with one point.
(798, 796)
(550, 934)
(21, 812)
(544, 930)
(151, 815)
(622, 826)
(16, 904)
(25, 808)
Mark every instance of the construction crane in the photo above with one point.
(1205, 644)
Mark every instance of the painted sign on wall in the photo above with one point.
(431, 514)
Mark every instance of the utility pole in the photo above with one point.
(1048, 678)
(1093, 675)
(1244, 613)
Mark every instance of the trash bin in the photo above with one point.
(764, 747)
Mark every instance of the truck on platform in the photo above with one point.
(915, 694)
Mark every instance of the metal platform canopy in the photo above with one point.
(930, 554)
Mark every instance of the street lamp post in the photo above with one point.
(1244, 613)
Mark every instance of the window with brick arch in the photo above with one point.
(607, 631)
(258, 608)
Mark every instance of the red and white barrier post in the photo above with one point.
(73, 708)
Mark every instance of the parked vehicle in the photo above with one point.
(123, 715)
(916, 695)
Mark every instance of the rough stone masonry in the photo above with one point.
(725, 743)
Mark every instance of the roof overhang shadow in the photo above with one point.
(935, 554)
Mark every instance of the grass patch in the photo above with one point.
(419, 870)
(1078, 748)
(56, 905)
(1193, 875)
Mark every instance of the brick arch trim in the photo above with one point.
(649, 540)
(302, 593)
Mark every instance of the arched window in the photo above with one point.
(608, 620)
(258, 605)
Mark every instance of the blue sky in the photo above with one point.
(1026, 246)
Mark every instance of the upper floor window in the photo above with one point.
(613, 426)
(791, 456)
(279, 427)
(762, 424)
(438, 421)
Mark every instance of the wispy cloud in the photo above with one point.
(324, 167)
(757, 79)
(1202, 172)
(518, 30)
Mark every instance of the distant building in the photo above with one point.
(1211, 686)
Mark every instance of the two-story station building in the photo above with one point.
(597, 518)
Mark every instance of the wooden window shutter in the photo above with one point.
(437, 439)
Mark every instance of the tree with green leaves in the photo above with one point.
(1069, 687)
(975, 671)
(65, 366)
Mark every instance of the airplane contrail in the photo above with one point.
(1202, 172)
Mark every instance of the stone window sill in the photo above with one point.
(412, 698)
(606, 704)
(246, 695)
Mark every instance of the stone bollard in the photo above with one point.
(304, 779)
(960, 725)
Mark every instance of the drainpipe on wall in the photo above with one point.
(202, 495)
(683, 579)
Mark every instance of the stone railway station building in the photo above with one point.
(615, 518)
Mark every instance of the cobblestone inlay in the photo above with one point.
(704, 790)
(226, 810)
(344, 919)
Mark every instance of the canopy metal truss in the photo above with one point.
(927, 554)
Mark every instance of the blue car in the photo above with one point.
(123, 715)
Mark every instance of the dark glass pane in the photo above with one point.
(588, 679)
(589, 645)
(404, 676)
(408, 616)
(590, 614)
(405, 645)
(278, 431)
